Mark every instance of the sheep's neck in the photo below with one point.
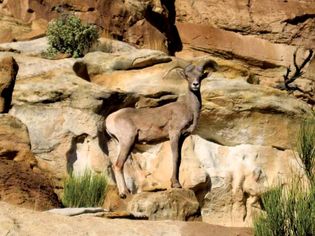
(193, 100)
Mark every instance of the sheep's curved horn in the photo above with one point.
(207, 64)
(180, 64)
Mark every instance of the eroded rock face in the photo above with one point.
(12, 28)
(64, 117)
(149, 24)
(15, 143)
(227, 181)
(64, 114)
(234, 111)
(8, 72)
(255, 38)
(21, 182)
(288, 22)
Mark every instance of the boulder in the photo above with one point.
(8, 72)
(175, 204)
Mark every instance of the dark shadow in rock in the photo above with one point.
(116, 101)
(103, 139)
(165, 23)
(72, 153)
(201, 190)
(80, 70)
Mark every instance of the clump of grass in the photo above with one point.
(69, 35)
(290, 210)
(306, 147)
(87, 190)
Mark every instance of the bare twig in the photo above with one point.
(298, 70)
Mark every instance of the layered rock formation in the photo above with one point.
(287, 22)
(248, 124)
(243, 140)
(21, 181)
(255, 38)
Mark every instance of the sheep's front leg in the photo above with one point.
(176, 146)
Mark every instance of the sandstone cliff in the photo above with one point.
(247, 130)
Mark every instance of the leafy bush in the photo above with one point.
(87, 190)
(290, 211)
(69, 35)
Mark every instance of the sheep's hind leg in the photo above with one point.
(118, 167)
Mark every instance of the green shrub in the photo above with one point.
(69, 35)
(87, 190)
(290, 211)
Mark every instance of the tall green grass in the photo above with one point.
(87, 190)
(306, 147)
(290, 210)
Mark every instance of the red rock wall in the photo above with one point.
(279, 21)
(144, 21)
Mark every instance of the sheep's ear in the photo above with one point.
(181, 73)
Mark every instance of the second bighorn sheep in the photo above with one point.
(173, 121)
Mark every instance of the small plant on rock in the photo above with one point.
(69, 35)
(87, 190)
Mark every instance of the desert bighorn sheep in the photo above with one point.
(173, 121)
